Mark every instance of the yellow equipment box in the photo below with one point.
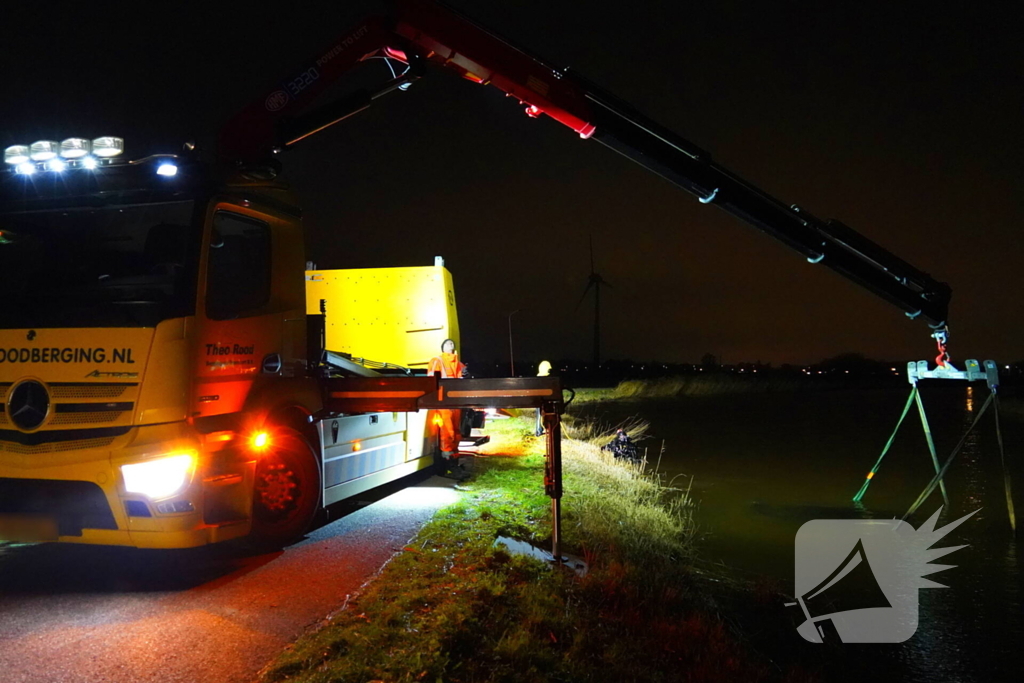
(389, 315)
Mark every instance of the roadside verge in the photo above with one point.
(452, 606)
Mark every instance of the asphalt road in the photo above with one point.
(73, 614)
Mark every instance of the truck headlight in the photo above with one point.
(160, 478)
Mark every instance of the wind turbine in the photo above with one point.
(595, 281)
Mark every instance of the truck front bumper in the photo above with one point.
(79, 496)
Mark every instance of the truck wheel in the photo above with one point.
(287, 490)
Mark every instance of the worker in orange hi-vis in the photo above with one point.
(448, 366)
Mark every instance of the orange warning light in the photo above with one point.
(260, 440)
(356, 446)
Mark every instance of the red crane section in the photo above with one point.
(422, 32)
(455, 42)
(419, 32)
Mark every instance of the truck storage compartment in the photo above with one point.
(358, 445)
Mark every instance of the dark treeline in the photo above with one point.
(852, 368)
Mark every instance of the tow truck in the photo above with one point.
(164, 373)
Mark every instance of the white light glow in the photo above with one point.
(166, 169)
(108, 146)
(75, 148)
(43, 150)
(159, 478)
(16, 154)
(56, 165)
(26, 168)
(90, 163)
(426, 496)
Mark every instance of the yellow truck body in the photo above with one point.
(392, 315)
(203, 421)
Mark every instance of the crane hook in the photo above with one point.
(941, 337)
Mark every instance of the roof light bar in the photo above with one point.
(70, 154)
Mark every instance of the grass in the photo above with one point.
(593, 394)
(709, 384)
(597, 433)
(454, 607)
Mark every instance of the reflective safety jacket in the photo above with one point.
(447, 364)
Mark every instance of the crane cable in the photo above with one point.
(915, 396)
(874, 470)
(949, 461)
(1006, 472)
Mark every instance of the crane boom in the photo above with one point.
(421, 32)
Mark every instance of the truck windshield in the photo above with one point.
(129, 265)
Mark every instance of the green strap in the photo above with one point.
(871, 474)
(1006, 472)
(949, 461)
(931, 446)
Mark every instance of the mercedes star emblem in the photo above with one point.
(29, 404)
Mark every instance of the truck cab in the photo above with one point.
(156, 388)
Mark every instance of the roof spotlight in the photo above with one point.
(108, 146)
(25, 168)
(89, 163)
(56, 165)
(43, 150)
(16, 154)
(75, 148)
(167, 169)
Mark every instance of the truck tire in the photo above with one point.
(286, 490)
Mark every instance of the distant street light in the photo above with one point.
(511, 356)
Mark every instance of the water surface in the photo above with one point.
(760, 465)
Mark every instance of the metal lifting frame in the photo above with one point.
(973, 372)
(409, 394)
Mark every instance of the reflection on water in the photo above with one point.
(762, 465)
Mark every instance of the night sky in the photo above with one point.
(902, 123)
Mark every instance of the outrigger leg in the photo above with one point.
(553, 474)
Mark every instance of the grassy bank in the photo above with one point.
(722, 384)
(453, 607)
(711, 384)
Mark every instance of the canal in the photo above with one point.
(759, 465)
